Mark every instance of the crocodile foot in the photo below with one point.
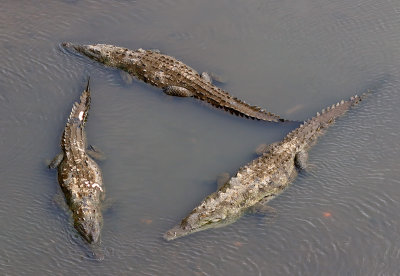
(96, 153)
(222, 179)
(56, 161)
(178, 91)
(210, 77)
(126, 77)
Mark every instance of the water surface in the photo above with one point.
(164, 153)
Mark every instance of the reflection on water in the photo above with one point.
(164, 154)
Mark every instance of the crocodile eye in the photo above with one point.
(171, 233)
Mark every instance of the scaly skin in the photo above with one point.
(262, 179)
(173, 76)
(79, 176)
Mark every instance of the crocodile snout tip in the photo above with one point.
(175, 233)
(169, 235)
(67, 45)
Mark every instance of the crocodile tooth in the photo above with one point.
(337, 104)
(323, 111)
(333, 106)
(342, 102)
(352, 98)
(318, 114)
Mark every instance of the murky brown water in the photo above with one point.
(164, 153)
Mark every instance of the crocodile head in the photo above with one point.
(89, 224)
(200, 220)
(99, 52)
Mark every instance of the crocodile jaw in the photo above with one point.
(90, 228)
(186, 228)
(180, 231)
(175, 233)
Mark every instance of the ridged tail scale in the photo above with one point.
(78, 115)
(310, 130)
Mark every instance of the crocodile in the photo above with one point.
(172, 75)
(263, 178)
(79, 176)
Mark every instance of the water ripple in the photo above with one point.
(338, 217)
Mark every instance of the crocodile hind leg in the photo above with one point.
(108, 205)
(261, 207)
(178, 91)
(59, 201)
(126, 77)
(264, 213)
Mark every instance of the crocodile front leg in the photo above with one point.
(210, 77)
(222, 179)
(178, 91)
(95, 153)
(56, 161)
(261, 207)
(206, 77)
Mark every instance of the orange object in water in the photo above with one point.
(146, 221)
(327, 214)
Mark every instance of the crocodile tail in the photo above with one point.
(310, 130)
(240, 108)
(80, 110)
(329, 114)
(255, 112)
